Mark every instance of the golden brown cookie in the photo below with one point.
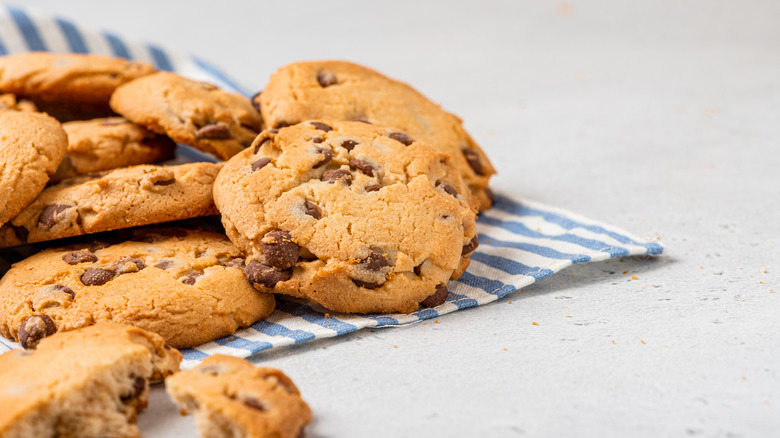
(103, 144)
(352, 216)
(68, 86)
(187, 286)
(84, 383)
(121, 198)
(190, 112)
(31, 147)
(339, 90)
(233, 398)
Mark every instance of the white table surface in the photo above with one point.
(662, 117)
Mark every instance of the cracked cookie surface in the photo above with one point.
(231, 397)
(122, 198)
(69, 86)
(188, 286)
(339, 90)
(190, 112)
(102, 144)
(32, 145)
(349, 215)
(84, 383)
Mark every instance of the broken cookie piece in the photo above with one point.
(91, 382)
(232, 398)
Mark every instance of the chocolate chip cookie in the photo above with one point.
(190, 112)
(31, 147)
(103, 144)
(85, 383)
(121, 198)
(340, 90)
(68, 86)
(188, 286)
(232, 397)
(355, 217)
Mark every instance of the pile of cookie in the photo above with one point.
(335, 184)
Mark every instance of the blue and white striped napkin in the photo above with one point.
(521, 241)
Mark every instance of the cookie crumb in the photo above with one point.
(642, 341)
(534, 323)
(634, 277)
(613, 342)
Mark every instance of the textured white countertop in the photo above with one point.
(661, 117)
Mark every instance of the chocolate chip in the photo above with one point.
(164, 264)
(473, 158)
(326, 78)
(76, 257)
(139, 384)
(96, 277)
(262, 142)
(321, 126)
(349, 144)
(334, 175)
(236, 263)
(373, 187)
(312, 209)
(363, 166)
(214, 131)
(165, 182)
(375, 261)
(260, 163)
(128, 265)
(327, 155)
(21, 233)
(449, 189)
(418, 270)
(279, 249)
(258, 273)
(437, 298)
(65, 290)
(365, 284)
(402, 137)
(190, 278)
(97, 245)
(254, 404)
(490, 195)
(256, 100)
(317, 140)
(470, 247)
(49, 215)
(34, 328)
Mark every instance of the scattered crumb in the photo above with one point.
(642, 341)
(232, 338)
(487, 241)
(328, 324)
(425, 323)
(504, 349)
(327, 315)
(436, 322)
(744, 378)
(395, 346)
(539, 230)
(613, 341)
(762, 270)
(625, 272)
(566, 315)
(701, 267)
(535, 323)
(572, 275)
(634, 277)
(183, 412)
(510, 301)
